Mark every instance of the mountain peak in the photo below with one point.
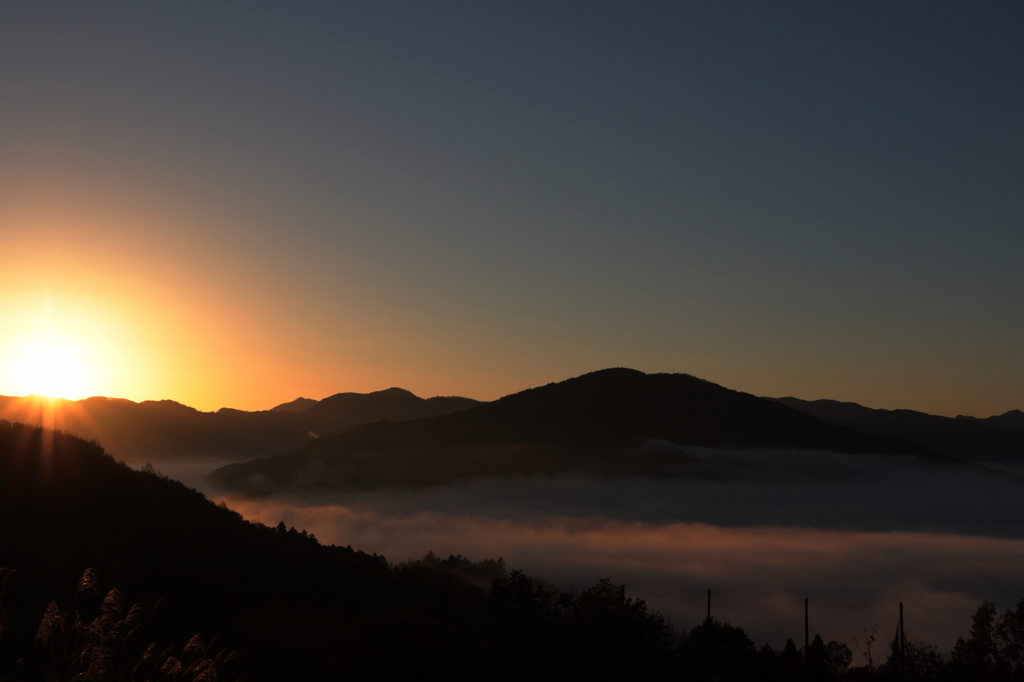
(394, 391)
(1013, 420)
(297, 405)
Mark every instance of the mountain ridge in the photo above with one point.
(965, 437)
(298, 405)
(601, 422)
(153, 430)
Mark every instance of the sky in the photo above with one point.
(235, 204)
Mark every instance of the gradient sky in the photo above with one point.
(240, 203)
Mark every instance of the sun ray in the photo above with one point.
(71, 416)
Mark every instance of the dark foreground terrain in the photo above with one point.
(203, 594)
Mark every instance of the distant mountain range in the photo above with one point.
(155, 430)
(615, 422)
(991, 439)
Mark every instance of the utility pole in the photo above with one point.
(903, 644)
(709, 606)
(807, 631)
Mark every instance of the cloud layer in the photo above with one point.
(763, 529)
(759, 575)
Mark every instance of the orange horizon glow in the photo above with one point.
(64, 346)
(124, 303)
(138, 315)
(51, 413)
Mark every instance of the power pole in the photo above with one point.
(807, 631)
(903, 643)
(709, 606)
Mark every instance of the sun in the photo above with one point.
(52, 368)
(69, 348)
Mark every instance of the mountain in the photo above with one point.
(154, 430)
(614, 422)
(161, 429)
(1014, 420)
(294, 608)
(344, 411)
(65, 506)
(995, 438)
(297, 405)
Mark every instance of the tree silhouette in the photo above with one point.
(718, 651)
(994, 649)
(827, 661)
(101, 639)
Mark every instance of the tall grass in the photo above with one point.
(101, 639)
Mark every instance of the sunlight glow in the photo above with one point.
(54, 369)
(65, 349)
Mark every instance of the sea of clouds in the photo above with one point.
(854, 534)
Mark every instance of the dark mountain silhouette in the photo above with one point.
(1013, 420)
(295, 609)
(153, 430)
(616, 422)
(297, 405)
(965, 437)
(66, 506)
(344, 411)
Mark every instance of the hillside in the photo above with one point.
(151, 431)
(1000, 437)
(295, 609)
(65, 505)
(614, 422)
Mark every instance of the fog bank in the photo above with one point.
(856, 535)
(759, 575)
